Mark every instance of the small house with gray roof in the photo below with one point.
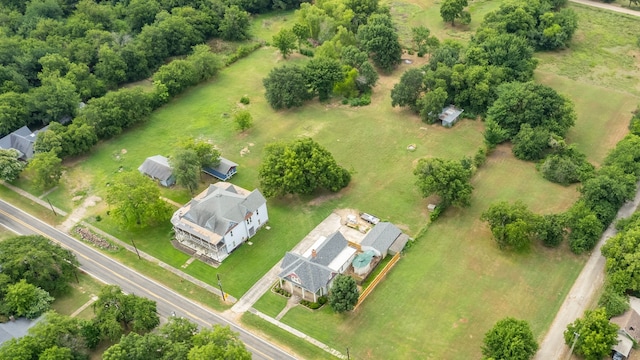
(224, 171)
(218, 220)
(157, 167)
(450, 115)
(384, 238)
(21, 140)
(311, 274)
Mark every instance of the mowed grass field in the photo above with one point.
(448, 289)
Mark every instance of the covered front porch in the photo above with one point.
(297, 290)
(216, 252)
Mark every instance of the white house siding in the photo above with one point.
(240, 233)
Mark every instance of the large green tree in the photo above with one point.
(596, 335)
(28, 300)
(207, 153)
(344, 294)
(585, 227)
(118, 313)
(39, 261)
(286, 87)
(300, 167)
(380, 39)
(534, 104)
(321, 74)
(135, 200)
(423, 41)
(186, 168)
(449, 179)
(512, 225)
(218, 342)
(10, 166)
(409, 89)
(235, 24)
(509, 339)
(623, 259)
(450, 10)
(46, 168)
(285, 41)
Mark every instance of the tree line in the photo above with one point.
(602, 194)
(346, 39)
(63, 61)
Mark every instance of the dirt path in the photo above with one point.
(607, 7)
(583, 291)
(78, 213)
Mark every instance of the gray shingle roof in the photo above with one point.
(220, 209)
(16, 329)
(314, 272)
(381, 236)
(225, 165)
(21, 140)
(313, 276)
(156, 167)
(330, 248)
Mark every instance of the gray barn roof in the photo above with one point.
(225, 165)
(156, 167)
(381, 236)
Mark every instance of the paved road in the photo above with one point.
(607, 7)
(582, 293)
(109, 271)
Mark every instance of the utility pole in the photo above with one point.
(575, 340)
(224, 298)
(54, 212)
(134, 246)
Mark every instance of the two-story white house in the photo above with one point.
(218, 220)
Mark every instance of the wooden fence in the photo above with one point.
(378, 278)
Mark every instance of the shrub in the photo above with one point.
(436, 213)
(363, 100)
(241, 52)
(613, 302)
(281, 291)
(245, 100)
(314, 305)
(306, 52)
(480, 157)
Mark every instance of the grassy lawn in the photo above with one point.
(599, 74)
(271, 304)
(302, 348)
(454, 283)
(6, 233)
(412, 13)
(603, 52)
(79, 295)
(603, 114)
(31, 207)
